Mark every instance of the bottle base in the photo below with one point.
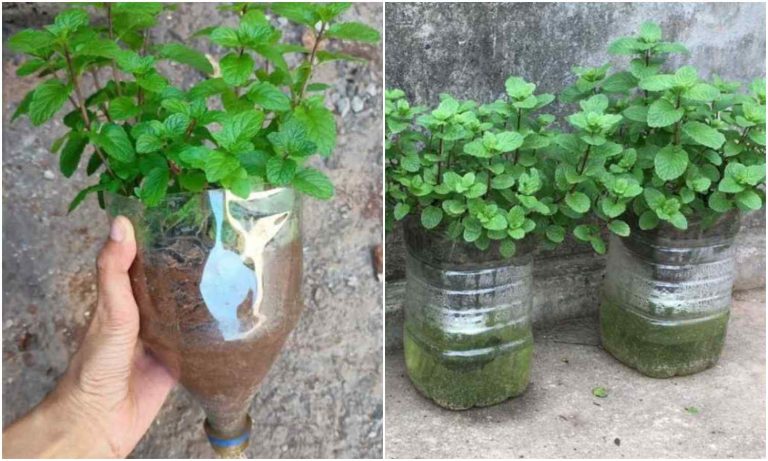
(657, 348)
(461, 383)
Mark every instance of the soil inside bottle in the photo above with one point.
(222, 374)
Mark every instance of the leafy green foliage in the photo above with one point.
(147, 138)
(647, 146)
(478, 172)
(697, 146)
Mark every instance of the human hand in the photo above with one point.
(113, 388)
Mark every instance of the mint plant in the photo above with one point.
(680, 146)
(251, 123)
(476, 171)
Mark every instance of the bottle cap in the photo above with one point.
(227, 446)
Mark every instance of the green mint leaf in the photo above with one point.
(83, 194)
(584, 232)
(302, 13)
(636, 113)
(238, 183)
(650, 32)
(402, 210)
(236, 70)
(600, 392)
(648, 220)
(185, 55)
(225, 36)
(661, 82)
(454, 207)
(578, 202)
(133, 63)
(176, 106)
(686, 77)
(147, 143)
(670, 162)
(123, 108)
(669, 47)
(662, 113)
(192, 181)
(625, 46)
(653, 197)
(748, 200)
(431, 217)
(619, 228)
(70, 20)
(30, 66)
(269, 97)
(154, 186)
(719, 202)
(555, 233)
(620, 82)
(507, 248)
(152, 81)
(176, 125)
(598, 244)
(47, 99)
(353, 31)
(218, 165)
(100, 47)
(70, 155)
(518, 89)
(313, 182)
(508, 141)
(31, 41)
(503, 181)
(238, 128)
(678, 220)
(611, 207)
(729, 185)
(704, 134)
(320, 125)
(280, 171)
(116, 143)
(446, 109)
(702, 92)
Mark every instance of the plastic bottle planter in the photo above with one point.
(468, 339)
(218, 284)
(667, 297)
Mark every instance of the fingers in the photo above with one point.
(117, 306)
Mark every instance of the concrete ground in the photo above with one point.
(558, 417)
(323, 396)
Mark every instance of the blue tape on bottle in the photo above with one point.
(228, 442)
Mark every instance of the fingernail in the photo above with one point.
(117, 231)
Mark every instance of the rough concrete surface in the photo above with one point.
(469, 49)
(323, 396)
(558, 416)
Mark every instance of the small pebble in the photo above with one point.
(48, 174)
(343, 106)
(357, 104)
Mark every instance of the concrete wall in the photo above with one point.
(470, 49)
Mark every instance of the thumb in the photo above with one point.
(117, 311)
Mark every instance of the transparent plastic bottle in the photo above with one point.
(217, 280)
(666, 298)
(467, 337)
